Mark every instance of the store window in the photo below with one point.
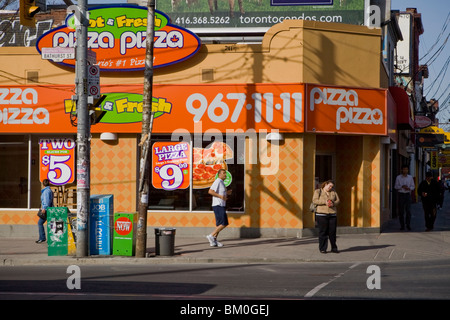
(14, 171)
(20, 185)
(183, 171)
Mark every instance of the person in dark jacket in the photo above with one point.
(429, 192)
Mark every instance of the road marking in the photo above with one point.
(311, 293)
(152, 296)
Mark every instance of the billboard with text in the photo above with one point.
(215, 15)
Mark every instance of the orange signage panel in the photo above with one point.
(346, 110)
(195, 108)
(31, 109)
(201, 107)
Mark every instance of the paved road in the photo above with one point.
(394, 280)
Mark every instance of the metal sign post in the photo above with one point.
(83, 130)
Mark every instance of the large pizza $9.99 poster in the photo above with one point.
(171, 168)
(170, 165)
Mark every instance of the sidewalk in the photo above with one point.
(390, 245)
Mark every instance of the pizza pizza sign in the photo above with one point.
(170, 165)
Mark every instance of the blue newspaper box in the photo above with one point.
(101, 224)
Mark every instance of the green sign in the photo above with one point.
(124, 238)
(259, 13)
(57, 234)
(125, 107)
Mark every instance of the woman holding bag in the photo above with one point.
(326, 200)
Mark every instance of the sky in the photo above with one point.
(435, 15)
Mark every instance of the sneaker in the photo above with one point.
(218, 243)
(40, 241)
(212, 240)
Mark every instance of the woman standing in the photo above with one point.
(326, 200)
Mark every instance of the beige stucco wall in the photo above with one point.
(293, 51)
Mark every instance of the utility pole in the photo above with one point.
(83, 130)
(147, 124)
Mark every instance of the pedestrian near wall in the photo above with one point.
(219, 194)
(404, 184)
(442, 189)
(46, 201)
(326, 201)
(429, 192)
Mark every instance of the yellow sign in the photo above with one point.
(436, 130)
(432, 129)
(439, 160)
(71, 246)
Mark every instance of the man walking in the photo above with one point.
(404, 184)
(219, 197)
(46, 201)
(429, 191)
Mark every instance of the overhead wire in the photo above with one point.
(438, 52)
(439, 79)
(446, 23)
(440, 76)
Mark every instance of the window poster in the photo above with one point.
(57, 160)
(170, 165)
(183, 171)
(208, 161)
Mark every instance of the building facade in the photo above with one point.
(308, 104)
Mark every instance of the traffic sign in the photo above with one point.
(93, 73)
(94, 81)
(58, 54)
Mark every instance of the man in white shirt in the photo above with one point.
(219, 197)
(404, 184)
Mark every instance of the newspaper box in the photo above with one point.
(57, 231)
(101, 224)
(124, 241)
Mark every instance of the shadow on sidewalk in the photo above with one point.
(242, 243)
(362, 248)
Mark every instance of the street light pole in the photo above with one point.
(147, 123)
(83, 131)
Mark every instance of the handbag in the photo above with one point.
(42, 213)
(312, 206)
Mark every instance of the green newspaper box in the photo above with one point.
(124, 239)
(57, 231)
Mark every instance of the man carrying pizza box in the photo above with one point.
(219, 197)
